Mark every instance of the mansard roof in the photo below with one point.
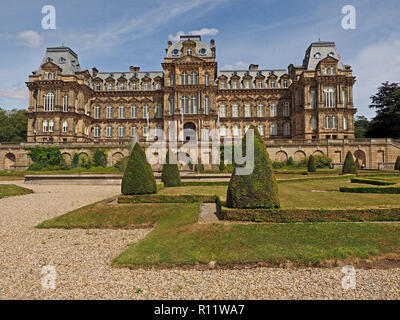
(318, 51)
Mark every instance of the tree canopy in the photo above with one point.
(13, 125)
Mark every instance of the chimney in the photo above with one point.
(212, 43)
(95, 72)
(169, 44)
(253, 67)
(134, 69)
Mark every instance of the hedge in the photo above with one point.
(158, 198)
(373, 182)
(384, 190)
(310, 215)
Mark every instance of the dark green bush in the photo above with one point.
(373, 182)
(310, 215)
(160, 198)
(99, 158)
(311, 164)
(290, 162)
(138, 177)
(258, 189)
(75, 161)
(349, 166)
(170, 174)
(382, 190)
(121, 164)
(45, 156)
(397, 165)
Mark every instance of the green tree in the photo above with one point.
(258, 189)
(290, 162)
(99, 158)
(386, 123)
(349, 166)
(311, 164)
(170, 174)
(361, 125)
(397, 165)
(75, 160)
(138, 177)
(13, 125)
(44, 157)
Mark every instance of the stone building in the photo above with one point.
(299, 111)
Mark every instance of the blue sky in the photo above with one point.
(112, 35)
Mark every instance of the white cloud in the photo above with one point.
(17, 91)
(29, 38)
(236, 65)
(201, 32)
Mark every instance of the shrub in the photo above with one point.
(290, 162)
(121, 164)
(258, 189)
(397, 165)
(138, 177)
(349, 166)
(99, 158)
(75, 161)
(311, 164)
(373, 182)
(164, 198)
(170, 174)
(221, 166)
(45, 156)
(199, 167)
(381, 190)
(322, 162)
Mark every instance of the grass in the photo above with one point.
(318, 194)
(9, 190)
(178, 240)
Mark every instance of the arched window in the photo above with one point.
(329, 97)
(45, 126)
(171, 105)
(121, 87)
(65, 126)
(184, 104)
(194, 78)
(285, 84)
(207, 105)
(96, 132)
(184, 78)
(193, 105)
(207, 79)
(189, 52)
(110, 87)
(49, 101)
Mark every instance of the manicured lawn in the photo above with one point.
(9, 190)
(102, 215)
(308, 194)
(178, 240)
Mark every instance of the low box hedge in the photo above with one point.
(158, 198)
(309, 215)
(382, 190)
(204, 183)
(372, 181)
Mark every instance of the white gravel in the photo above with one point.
(82, 262)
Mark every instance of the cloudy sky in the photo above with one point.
(112, 35)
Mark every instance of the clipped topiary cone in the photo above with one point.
(170, 175)
(349, 166)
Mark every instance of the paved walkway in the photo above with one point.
(81, 259)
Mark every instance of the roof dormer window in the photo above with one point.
(62, 60)
(175, 52)
(189, 51)
(49, 59)
(331, 54)
(202, 51)
(317, 55)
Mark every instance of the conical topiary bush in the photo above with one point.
(138, 177)
(397, 165)
(349, 166)
(258, 189)
(311, 164)
(170, 174)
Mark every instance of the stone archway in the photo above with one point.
(281, 156)
(360, 157)
(299, 155)
(67, 157)
(117, 156)
(189, 131)
(318, 153)
(9, 161)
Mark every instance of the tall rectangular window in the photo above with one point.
(133, 131)
(159, 112)
(273, 111)
(146, 112)
(133, 112)
(222, 111)
(109, 131)
(286, 109)
(121, 131)
(96, 132)
(109, 112)
(260, 110)
(247, 110)
(344, 98)
(313, 99)
(96, 112)
(65, 105)
(121, 112)
(235, 111)
(206, 105)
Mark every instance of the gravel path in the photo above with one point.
(81, 259)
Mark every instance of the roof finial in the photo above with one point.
(319, 34)
(62, 44)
